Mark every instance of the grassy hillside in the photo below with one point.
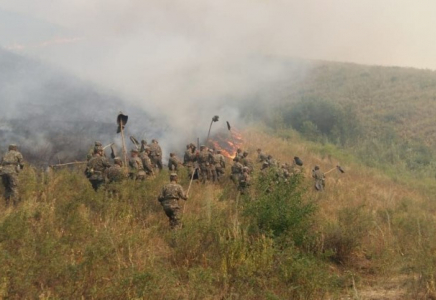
(366, 236)
(384, 116)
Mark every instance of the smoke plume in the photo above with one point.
(173, 65)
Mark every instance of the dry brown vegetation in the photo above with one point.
(366, 237)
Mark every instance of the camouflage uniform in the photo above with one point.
(244, 181)
(220, 164)
(115, 173)
(156, 154)
(212, 166)
(168, 198)
(11, 164)
(271, 161)
(143, 145)
(93, 149)
(95, 170)
(136, 168)
(203, 164)
(246, 162)
(261, 157)
(189, 159)
(173, 163)
(238, 154)
(146, 162)
(236, 170)
(319, 179)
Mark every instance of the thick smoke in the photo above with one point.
(172, 65)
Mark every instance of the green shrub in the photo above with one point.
(278, 208)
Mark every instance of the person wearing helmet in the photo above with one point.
(95, 170)
(236, 170)
(319, 179)
(238, 154)
(169, 198)
(136, 168)
(91, 152)
(156, 154)
(203, 159)
(116, 173)
(173, 162)
(261, 157)
(244, 180)
(246, 162)
(212, 166)
(189, 159)
(143, 145)
(146, 161)
(220, 164)
(11, 164)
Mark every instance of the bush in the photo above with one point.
(279, 210)
(316, 119)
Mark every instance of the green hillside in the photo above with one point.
(384, 116)
(369, 235)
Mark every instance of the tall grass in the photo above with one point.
(279, 241)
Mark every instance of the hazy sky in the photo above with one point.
(191, 59)
(387, 32)
(181, 56)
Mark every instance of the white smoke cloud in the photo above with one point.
(185, 61)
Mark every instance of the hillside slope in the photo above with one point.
(364, 234)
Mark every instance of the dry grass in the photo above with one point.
(369, 232)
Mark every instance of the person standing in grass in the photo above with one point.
(95, 170)
(136, 168)
(319, 179)
(169, 199)
(173, 162)
(11, 165)
(244, 180)
(116, 172)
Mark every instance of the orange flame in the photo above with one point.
(227, 145)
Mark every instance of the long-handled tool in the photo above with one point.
(121, 121)
(109, 145)
(189, 187)
(337, 167)
(230, 131)
(135, 142)
(214, 119)
(70, 163)
(113, 151)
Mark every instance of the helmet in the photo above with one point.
(12, 147)
(98, 143)
(134, 151)
(98, 149)
(316, 167)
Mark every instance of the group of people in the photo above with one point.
(203, 164)
(142, 163)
